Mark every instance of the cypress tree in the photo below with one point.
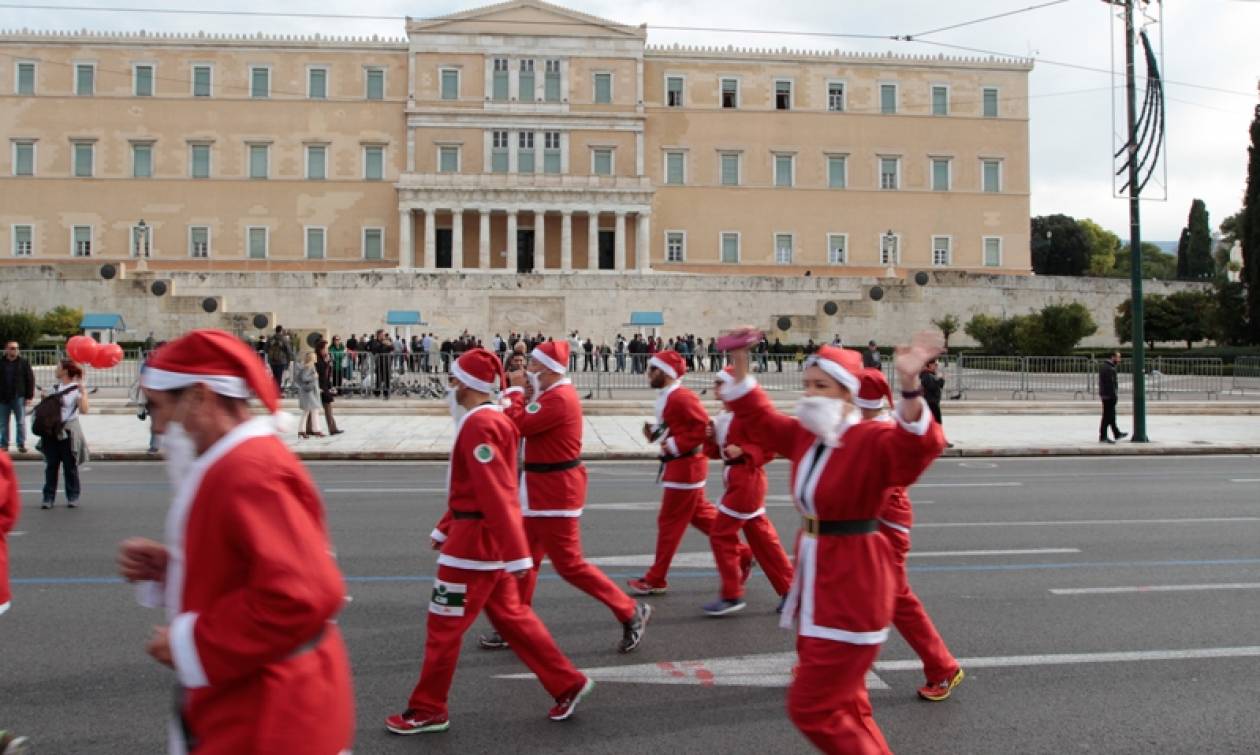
(1199, 251)
(1249, 231)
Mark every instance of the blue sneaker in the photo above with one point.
(723, 607)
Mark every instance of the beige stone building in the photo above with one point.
(517, 137)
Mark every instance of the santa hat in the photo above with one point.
(554, 355)
(874, 391)
(669, 362)
(478, 369)
(218, 360)
(726, 376)
(842, 365)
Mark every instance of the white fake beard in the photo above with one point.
(822, 416)
(180, 453)
(535, 382)
(457, 411)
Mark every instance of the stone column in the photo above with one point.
(592, 240)
(643, 243)
(430, 238)
(483, 240)
(406, 251)
(512, 261)
(540, 240)
(566, 242)
(619, 241)
(457, 240)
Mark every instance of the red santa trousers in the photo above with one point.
(498, 593)
(911, 619)
(560, 539)
(827, 700)
(766, 548)
(678, 509)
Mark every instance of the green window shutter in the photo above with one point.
(260, 83)
(258, 161)
(83, 160)
(372, 244)
(450, 85)
(603, 88)
(201, 161)
(674, 168)
(142, 161)
(258, 243)
(315, 163)
(375, 84)
(835, 172)
(26, 78)
(25, 159)
(201, 81)
(84, 81)
(318, 88)
(374, 168)
(144, 81)
(315, 243)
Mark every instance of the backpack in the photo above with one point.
(276, 353)
(47, 418)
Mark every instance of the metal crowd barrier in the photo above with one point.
(125, 374)
(1246, 378)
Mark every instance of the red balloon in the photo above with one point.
(107, 356)
(82, 349)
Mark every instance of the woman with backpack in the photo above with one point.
(61, 438)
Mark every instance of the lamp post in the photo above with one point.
(142, 244)
(890, 252)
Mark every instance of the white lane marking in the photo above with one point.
(978, 465)
(366, 491)
(968, 485)
(1009, 552)
(17, 533)
(1247, 479)
(1060, 659)
(1088, 522)
(773, 500)
(1154, 588)
(704, 559)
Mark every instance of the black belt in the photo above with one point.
(735, 462)
(467, 514)
(666, 458)
(814, 526)
(552, 466)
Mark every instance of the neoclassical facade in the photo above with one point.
(518, 137)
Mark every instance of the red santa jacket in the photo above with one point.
(551, 434)
(744, 476)
(844, 584)
(253, 587)
(682, 424)
(10, 509)
(482, 528)
(897, 513)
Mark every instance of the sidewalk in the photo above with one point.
(395, 436)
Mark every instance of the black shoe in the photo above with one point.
(492, 641)
(1108, 441)
(21, 449)
(1121, 436)
(632, 630)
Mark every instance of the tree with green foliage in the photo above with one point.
(1190, 315)
(1059, 246)
(1183, 255)
(22, 327)
(1199, 253)
(61, 321)
(1155, 264)
(1054, 331)
(1159, 325)
(1103, 245)
(996, 335)
(948, 325)
(1229, 313)
(1249, 232)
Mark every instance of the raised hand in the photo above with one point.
(910, 360)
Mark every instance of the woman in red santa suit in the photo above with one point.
(843, 588)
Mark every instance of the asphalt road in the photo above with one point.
(73, 674)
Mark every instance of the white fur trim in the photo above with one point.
(735, 391)
(895, 526)
(683, 485)
(460, 374)
(551, 513)
(548, 362)
(806, 563)
(437, 535)
(513, 389)
(663, 367)
(867, 403)
(471, 564)
(740, 514)
(4, 607)
(520, 564)
(920, 427)
(840, 374)
(184, 652)
(224, 385)
(671, 446)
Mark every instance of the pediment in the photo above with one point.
(527, 18)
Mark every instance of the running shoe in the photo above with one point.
(643, 587)
(724, 607)
(940, 690)
(492, 641)
(632, 630)
(565, 706)
(410, 722)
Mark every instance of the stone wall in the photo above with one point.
(595, 304)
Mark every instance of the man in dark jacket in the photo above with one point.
(933, 386)
(1109, 392)
(279, 355)
(17, 390)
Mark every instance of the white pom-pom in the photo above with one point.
(284, 422)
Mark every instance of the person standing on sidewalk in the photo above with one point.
(483, 556)
(1109, 392)
(326, 369)
(307, 381)
(933, 387)
(279, 355)
(65, 448)
(545, 408)
(17, 390)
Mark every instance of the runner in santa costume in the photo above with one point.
(742, 508)
(483, 555)
(247, 574)
(681, 427)
(843, 589)
(10, 510)
(909, 617)
(545, 408)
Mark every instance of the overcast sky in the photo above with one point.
(1207, 42)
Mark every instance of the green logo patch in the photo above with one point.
(534, 407)
(448, 598)
(483, 453)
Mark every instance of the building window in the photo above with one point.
(84, 159)
(730, 168)
(143, 80)
(551, 152)
(85, 79)
(260, 82)
(373, 243)
(373, 163)
(199, 242)
(141, 241)
(940, 100)
(374, 83)
(889, 250)
(603, 88)
(730, 93)
(889, 167)
(25, 78)
(782, 94)
(835, 96)
(940, 174)
(257, 243)
(888, 98)
(450, 84)
(940, 251)
(551, 81)
(499, 82)
(81, 241)
(675, 168)
(992, 251)
(837, 248)
(317, 83)
(730, 247)
(992, 172)
(675, 246)
(448, 159)
(23, 158)
(314, 243)
(499, 152)
(525, 84)
(602, 162)
(673, 91)
(525, 152)
(23, 240)
(259, 161)
(202, 77)
(783, 165)
(783, 248)
(199, 161)
(142, 161)
(316, 162)
(990, 96)
(837, 172)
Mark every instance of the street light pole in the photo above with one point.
(1135, 233)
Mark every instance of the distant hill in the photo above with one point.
(1167, 247)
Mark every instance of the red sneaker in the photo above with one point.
(643, 587)
(745, 566)
(940, 690)
(411, 722)
(565, 706)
